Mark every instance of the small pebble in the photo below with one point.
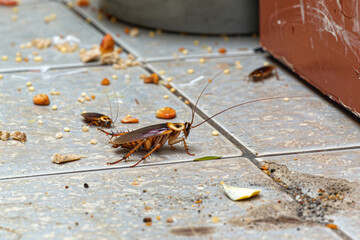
(114, 77)
(59, 135)
(202, 60)
(31, 89)
(54, 107)
(66, 129)
(215, 133)
(190, 71)
(4, 58)
(93, 141)
(85, 128)
(226, 71)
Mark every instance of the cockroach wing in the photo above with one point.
(142, 133)
(91, 116)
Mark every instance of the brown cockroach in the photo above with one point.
(100, 119)
(152, 138)
(261, 73)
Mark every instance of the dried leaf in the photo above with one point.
(236, 193)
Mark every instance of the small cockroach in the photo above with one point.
(152, 138)
(100, 119)
(260, 74)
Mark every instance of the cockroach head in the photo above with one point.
(187, 129)
(106, 120)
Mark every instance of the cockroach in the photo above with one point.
(153, 137)
(100, 119)
(261, 73)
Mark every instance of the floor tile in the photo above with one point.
(30, 24)
(115, 204)
(33, 157)
(163, 46)
(336, 172)
(268, 127)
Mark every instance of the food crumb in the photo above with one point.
(66, 129)
(169, 220)
(166, 96)
(147, 219)
(31, 89)
(40, 122)
(169, 79)
(286, 99)
(161, 72)
(93, 141)
(226, 71)
(59, 135)
(196, 42)
(54, 107)
(114, 77)
(190, 71)
(151, 34)
(331, 226)
(85, 128)
(4, 58)
(215, 133)
(202, 60)
(38, 59)
(105, 81)
(4, 135)
(215, 219)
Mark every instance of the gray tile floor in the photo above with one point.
(302, 153)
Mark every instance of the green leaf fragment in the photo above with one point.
(207, 158)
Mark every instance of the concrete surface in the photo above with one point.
(302, 153)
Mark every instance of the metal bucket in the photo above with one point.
(192, 16)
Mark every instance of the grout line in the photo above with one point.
(325, 150)
(109, 169)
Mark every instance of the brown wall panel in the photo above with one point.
(320, 41)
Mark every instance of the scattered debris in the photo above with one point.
(105, 82)
(90, 55)
(41, 43)
(236, 193)
(20, 136)
(41, 99)
(153, 78)
(107, 44)
(129, 120)
(109, 58)
(4, 135)
(166, 113)
(62, 158)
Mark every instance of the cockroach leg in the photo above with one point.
(147, 155)
(186, 148)
(128, 154)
